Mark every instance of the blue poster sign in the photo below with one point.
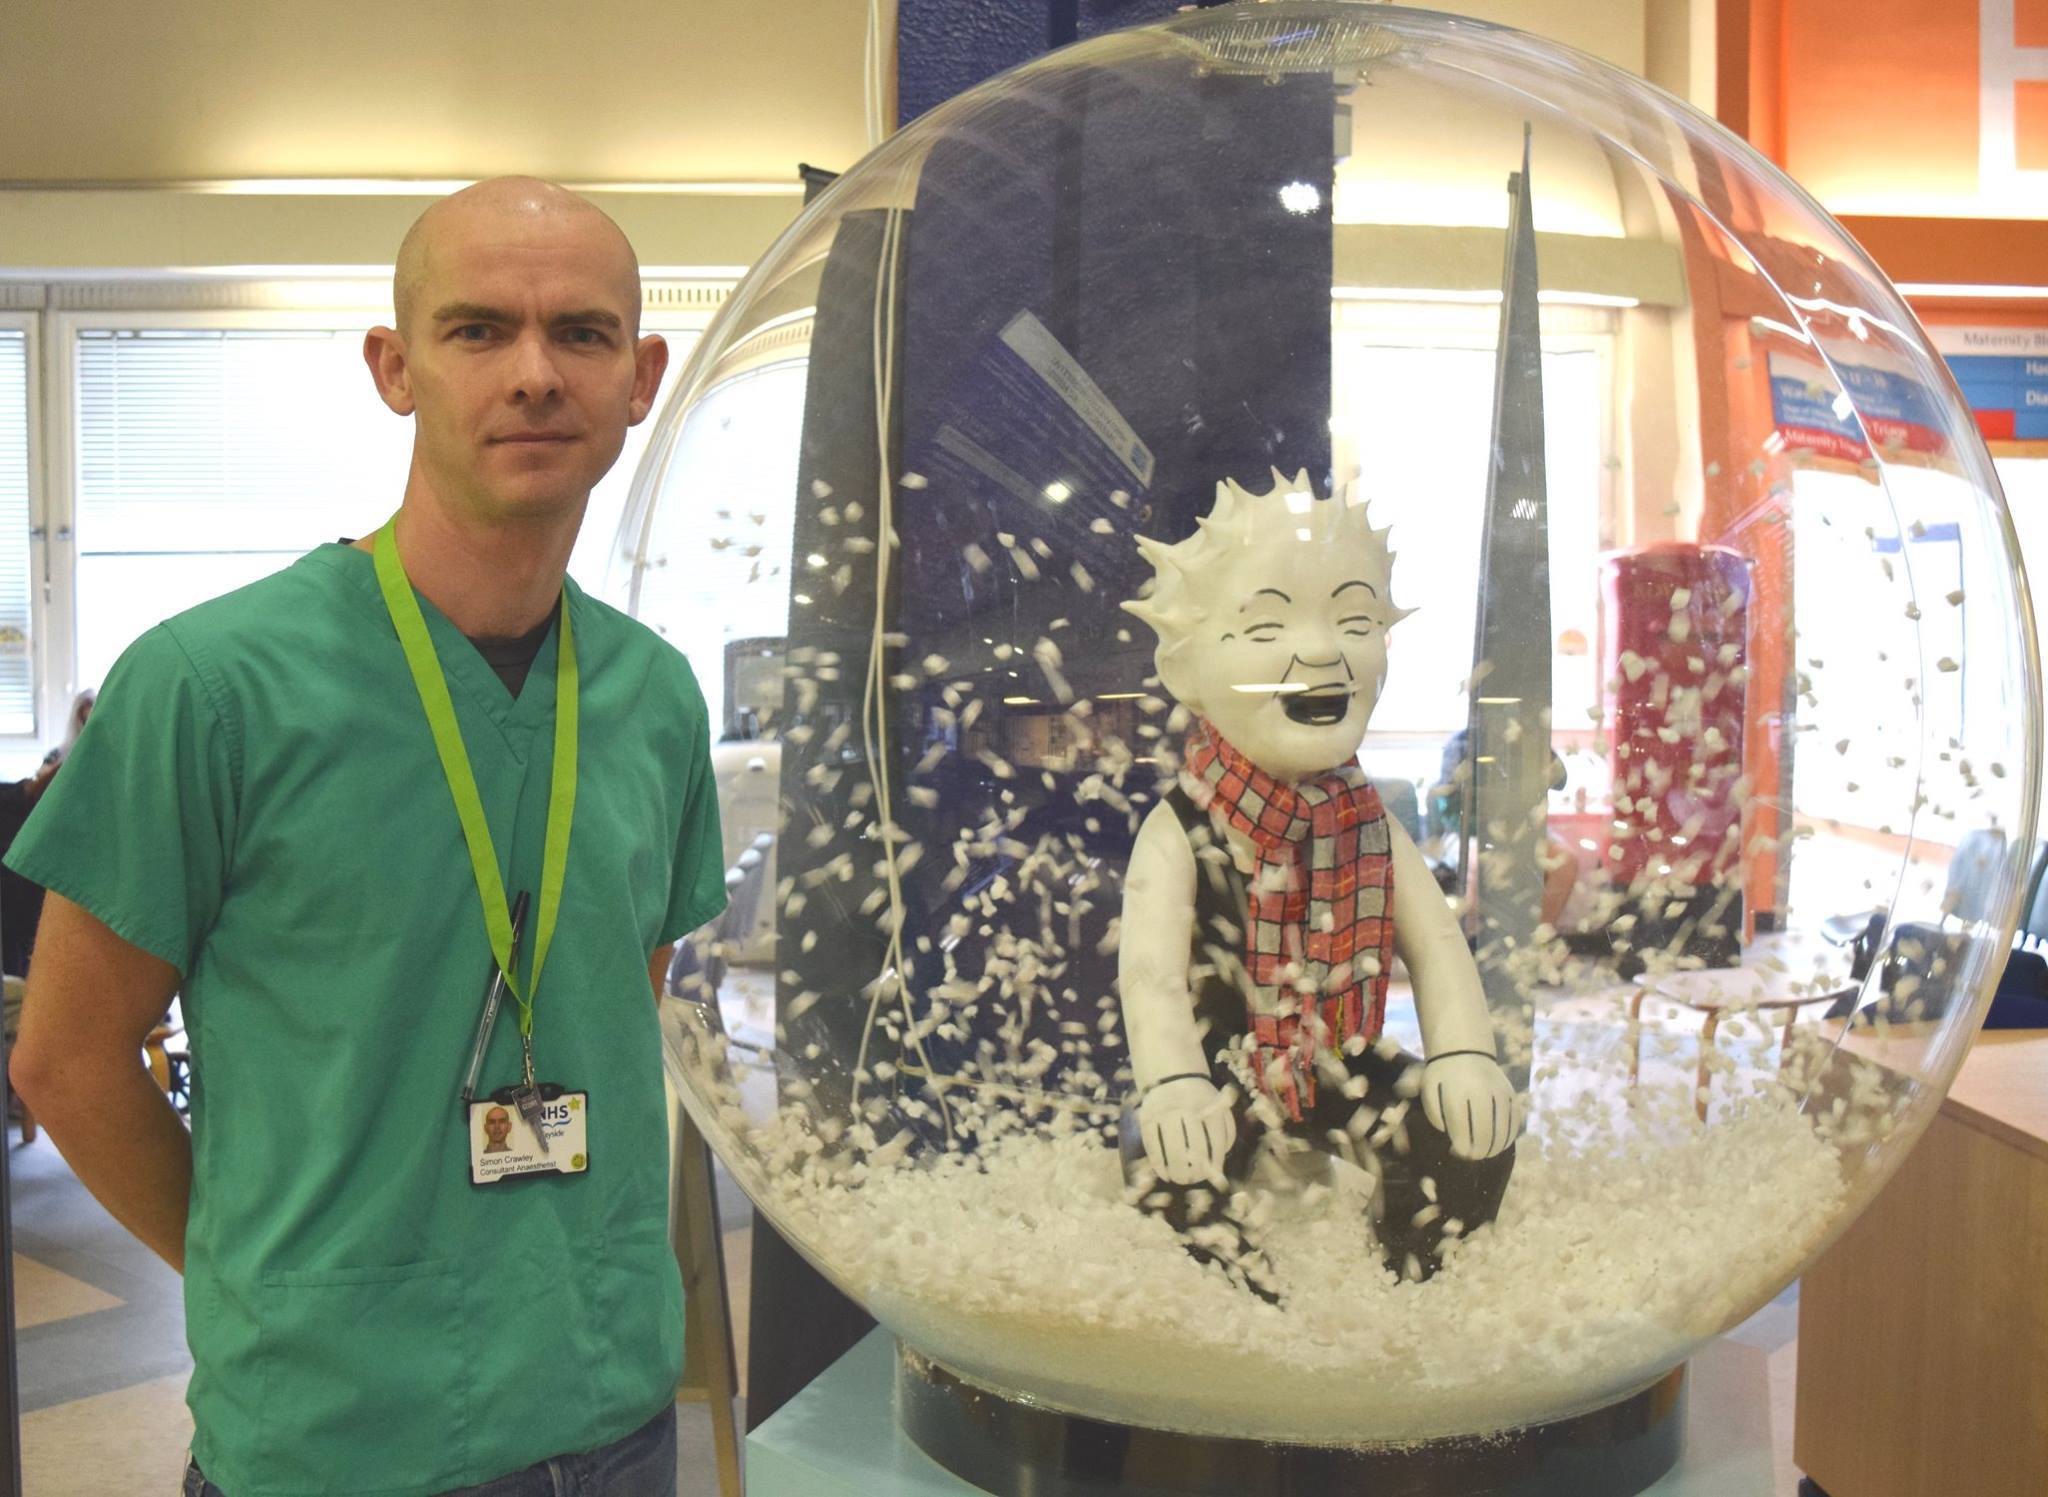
(2003, 374)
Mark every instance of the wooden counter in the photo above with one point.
(1923, 1333)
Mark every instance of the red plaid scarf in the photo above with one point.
(1306, 938)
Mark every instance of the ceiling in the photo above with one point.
(599, 91)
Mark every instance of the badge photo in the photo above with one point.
(503, 1146)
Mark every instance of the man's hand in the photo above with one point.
(1469, 1098)
(1188, 1127)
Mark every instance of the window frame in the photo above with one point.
(60, 682)
(30, 323)
(1359, 324)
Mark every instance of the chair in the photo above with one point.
(1916, 946)
(16, 989)
(159, 1058)
(697, 970)
(2033, 931)
(1402, 803)
(172, 1066)
(1970, 871)
(1715, 992)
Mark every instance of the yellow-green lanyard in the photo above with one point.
(469, 807)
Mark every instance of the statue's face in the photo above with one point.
(1291, 655)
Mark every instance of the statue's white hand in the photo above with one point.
(1469, 1098)
(1188, 1127)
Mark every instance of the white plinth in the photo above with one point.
(839, 1437)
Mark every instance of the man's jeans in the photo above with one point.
(641, 1465)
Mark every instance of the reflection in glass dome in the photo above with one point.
(1391, 799)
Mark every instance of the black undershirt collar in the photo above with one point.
(511, 657)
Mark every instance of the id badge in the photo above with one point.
(502, 1145)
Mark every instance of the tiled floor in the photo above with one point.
(1773, 1330)
(100, 1342)
(100, 1331)
(131, 1440)
(43, 1294)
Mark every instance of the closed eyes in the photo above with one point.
(1354, 625)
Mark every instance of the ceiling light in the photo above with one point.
(1477, 297)
(1300, 197)
(1938, 288)
(429, 187)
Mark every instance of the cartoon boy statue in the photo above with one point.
(1268, 893)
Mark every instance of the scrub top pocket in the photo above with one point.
(362, 1368)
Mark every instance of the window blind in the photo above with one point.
(210, 457)
(17, 684)
(230, 440)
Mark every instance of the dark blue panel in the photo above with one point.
(1136, 214)
(1098, 16)
(1167, 325)
(945, 47)
(1130, 220)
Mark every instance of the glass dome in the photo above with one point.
(1685, 736)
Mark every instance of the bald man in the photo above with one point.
(330, 810)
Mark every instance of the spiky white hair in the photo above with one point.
(1181, 595)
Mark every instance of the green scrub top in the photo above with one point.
(257, 801)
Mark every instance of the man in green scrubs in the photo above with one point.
(302, 806)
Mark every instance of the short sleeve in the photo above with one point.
(138, 824)
(697, 882)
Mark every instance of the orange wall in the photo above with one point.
(2030, 23)
(1873, 106)
(1879, 98)
(1743, 509)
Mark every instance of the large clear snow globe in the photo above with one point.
(1379, 738)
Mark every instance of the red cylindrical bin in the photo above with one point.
(1675, 655)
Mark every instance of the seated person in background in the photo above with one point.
(21, 902)
(1446, 812)
(81, 713)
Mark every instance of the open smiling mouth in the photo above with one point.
(1319, 706)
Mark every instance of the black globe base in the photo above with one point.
(1012, 1448)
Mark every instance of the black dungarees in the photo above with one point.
(1467, 1191)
